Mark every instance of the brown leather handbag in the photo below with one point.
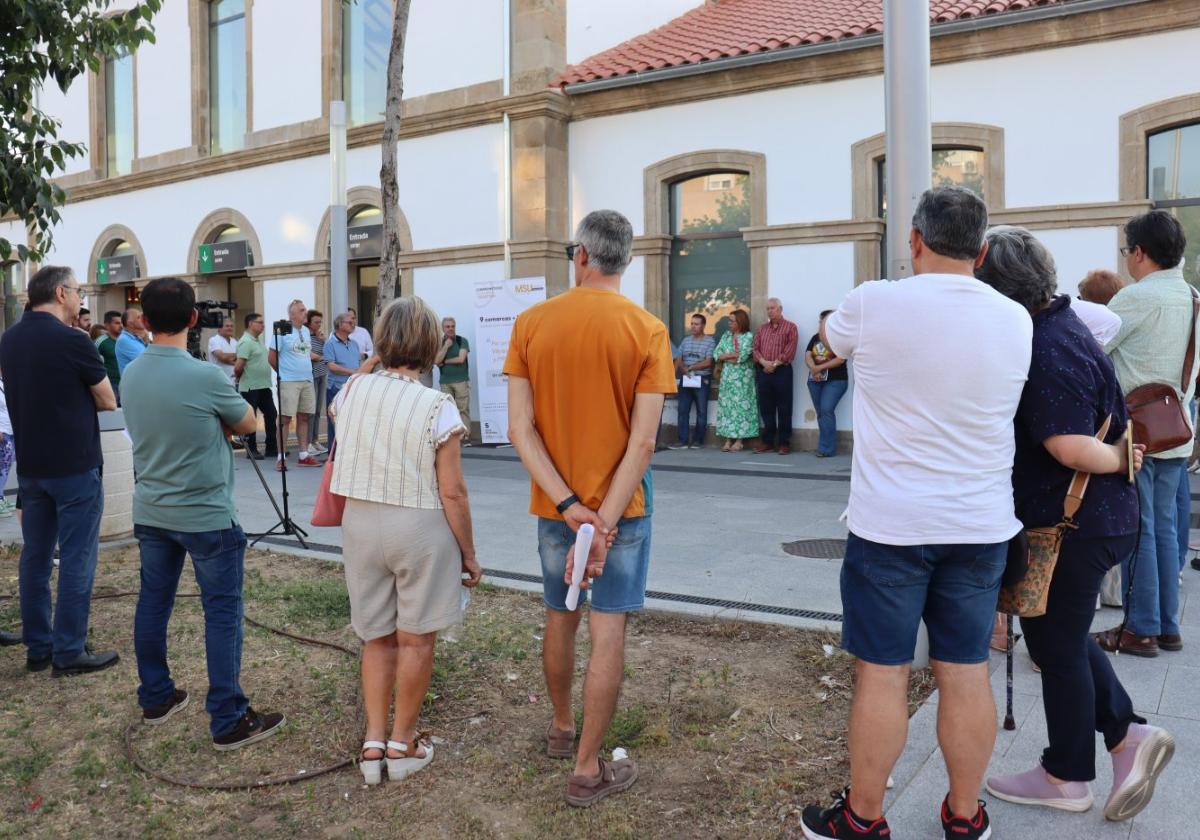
(1028, 596)
(1159, 419)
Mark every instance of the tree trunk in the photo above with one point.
(389, 268)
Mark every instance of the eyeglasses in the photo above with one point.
(571, 250)
(1126, 251)
(76, 289)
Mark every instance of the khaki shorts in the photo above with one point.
(403, 569)
(297, 398)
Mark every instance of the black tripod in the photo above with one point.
(285, 526)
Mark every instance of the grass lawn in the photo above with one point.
(735, 726)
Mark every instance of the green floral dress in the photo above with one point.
(737, 402)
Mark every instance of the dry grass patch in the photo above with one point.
(734, 725)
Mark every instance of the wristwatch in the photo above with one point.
(562, 506)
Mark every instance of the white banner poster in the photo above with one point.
(497, 305)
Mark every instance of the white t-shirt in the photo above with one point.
(225, 345)
(5, 422)
(362, 338)
(939, 364)
(1101, 321)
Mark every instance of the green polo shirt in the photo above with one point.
(257, 373)
(459, 372)
(175, 407)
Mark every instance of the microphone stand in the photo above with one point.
(285, 526)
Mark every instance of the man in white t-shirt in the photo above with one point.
(361, 337)
(940, 361)
(222, 350)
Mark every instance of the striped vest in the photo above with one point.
(385, 442)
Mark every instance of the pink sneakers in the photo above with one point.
(1033, 788)
(1148, 750)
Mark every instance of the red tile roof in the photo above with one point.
(724, 28)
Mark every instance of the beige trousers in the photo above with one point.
(461, 391)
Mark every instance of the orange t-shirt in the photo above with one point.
(586, 353)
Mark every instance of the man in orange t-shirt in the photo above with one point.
(587, 374)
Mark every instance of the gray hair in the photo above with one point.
(607, 236)
(43, 284)
(1019, 267)
(341, 319)
(952, 221)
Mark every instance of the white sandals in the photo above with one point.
(401, 768)
(372, 768)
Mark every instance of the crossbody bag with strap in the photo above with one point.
(1027, 597)
(1159, 419)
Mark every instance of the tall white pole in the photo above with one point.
(909, 161)
(339, 293)
(507, 132)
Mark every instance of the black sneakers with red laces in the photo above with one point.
(838, 822)
(979, 827)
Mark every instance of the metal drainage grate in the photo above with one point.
(817, 549)
(699, 600)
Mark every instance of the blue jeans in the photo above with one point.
(1154, 604)
(218, 558)
(686, 397)
(64, 511)
(1183, 516)
(825, 398)
(330, 393)
(622, 587)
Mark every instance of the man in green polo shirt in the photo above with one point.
(253, 375)
(179, 411)
(455, 380)
(106, 343)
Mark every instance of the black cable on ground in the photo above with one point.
(271, 781)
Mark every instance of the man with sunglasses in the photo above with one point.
(55, 382)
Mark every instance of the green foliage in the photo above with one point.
(733, 211)
(50, 42)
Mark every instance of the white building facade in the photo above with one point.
(747, 175)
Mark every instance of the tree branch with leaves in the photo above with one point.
(44, 42)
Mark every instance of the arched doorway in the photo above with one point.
(114, 272)
(224, 248)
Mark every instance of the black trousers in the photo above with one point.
(775, 405)
(1080, 692)
(261, 400)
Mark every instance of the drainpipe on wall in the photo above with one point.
(339, 292)
(508, 203)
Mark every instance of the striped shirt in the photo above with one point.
(318, 347)
(692, 350)
(776, 342)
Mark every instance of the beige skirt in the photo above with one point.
(403, 569)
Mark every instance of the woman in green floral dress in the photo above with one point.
(737, 402)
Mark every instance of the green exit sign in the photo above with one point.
(219, 257)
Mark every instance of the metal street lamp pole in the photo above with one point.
(338, 270)
(909, 160)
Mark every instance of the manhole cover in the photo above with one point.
(818, 549)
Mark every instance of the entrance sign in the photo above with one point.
(219, 257)
(366, 242)
(497, 305)
(123, 269)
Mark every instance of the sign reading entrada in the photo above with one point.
(219, 257)
(123, 269)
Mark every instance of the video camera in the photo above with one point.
(282, 327)
(210, 315)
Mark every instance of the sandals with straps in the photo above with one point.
(372, 768)
(409, 762)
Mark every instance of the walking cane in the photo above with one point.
(1009, 723)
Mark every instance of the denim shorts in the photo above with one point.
(888, 589)
(622, 587)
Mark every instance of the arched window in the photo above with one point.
(709, 269)
(366, 45)
(952, 167)
(1173, 175)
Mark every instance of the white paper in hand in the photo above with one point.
(583, 547)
